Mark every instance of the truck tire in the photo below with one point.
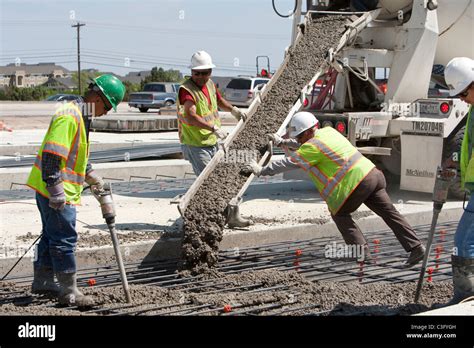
(168, 103)
(143, 109)
(453, 145)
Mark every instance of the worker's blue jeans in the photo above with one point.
(464, 237)
(58, 242)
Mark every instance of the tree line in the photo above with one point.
(39, 93)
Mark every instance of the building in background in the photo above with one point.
(31, 75)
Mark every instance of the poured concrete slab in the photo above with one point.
(135, 124)
(466, 308)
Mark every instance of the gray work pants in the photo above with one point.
(198, 156)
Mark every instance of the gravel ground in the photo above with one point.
(204, 217)
(332, 297)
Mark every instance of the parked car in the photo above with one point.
(65, 98)
(437, 91)
(241, 90)
(155, 95)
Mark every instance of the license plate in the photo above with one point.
(429, 108)
(236, 95)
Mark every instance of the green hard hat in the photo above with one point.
(112, 88)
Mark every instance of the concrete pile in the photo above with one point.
(204, 218)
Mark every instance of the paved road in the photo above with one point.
(25, 109)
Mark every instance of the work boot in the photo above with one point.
(234, 219)
(463, 278)
(69, 293)
(416, 255)
(43, 281)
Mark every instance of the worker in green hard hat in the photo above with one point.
(60, 170)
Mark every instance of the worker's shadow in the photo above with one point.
(164, 194)
(348, 309)
(133, 227)
(291, 192)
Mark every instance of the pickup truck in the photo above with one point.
(155, 95)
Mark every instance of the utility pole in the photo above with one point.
(78, 26)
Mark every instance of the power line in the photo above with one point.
(36, 57)
(151, 65)
(171, 63)
(78, 26)
(153, 30)
(122, 56)
(133, 56)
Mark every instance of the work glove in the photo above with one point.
(280, 142)
(219, 132)
(238, 114)
(93, 179)
(277, 140)
(57, 199)
(251, 168)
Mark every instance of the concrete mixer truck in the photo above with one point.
(406, 133)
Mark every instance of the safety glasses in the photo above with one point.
(465, 93)
(202, 72)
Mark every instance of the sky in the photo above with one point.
(124, 35)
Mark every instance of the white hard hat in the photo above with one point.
(201, 60)
(300, 122)
(459, 74)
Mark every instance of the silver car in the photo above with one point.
(241, 90)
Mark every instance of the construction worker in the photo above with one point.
(60, 169)
(199, 122)
(459, 76)
(344, 178)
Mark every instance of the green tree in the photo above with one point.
(130, 88)
(26, 93)
(161, 75)
(86, 77)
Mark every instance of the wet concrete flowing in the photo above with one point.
(325, 298)
(204, 219)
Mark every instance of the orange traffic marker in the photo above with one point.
(430, 272)
(227, 308)
(91, 282)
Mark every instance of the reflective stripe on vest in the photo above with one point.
(66, 173)
(56, 149)
(329, 184)
(328, 152)
(209, 118)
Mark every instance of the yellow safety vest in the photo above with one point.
(192, 135)
(334, 166)
(66, 137)
(467, 161)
